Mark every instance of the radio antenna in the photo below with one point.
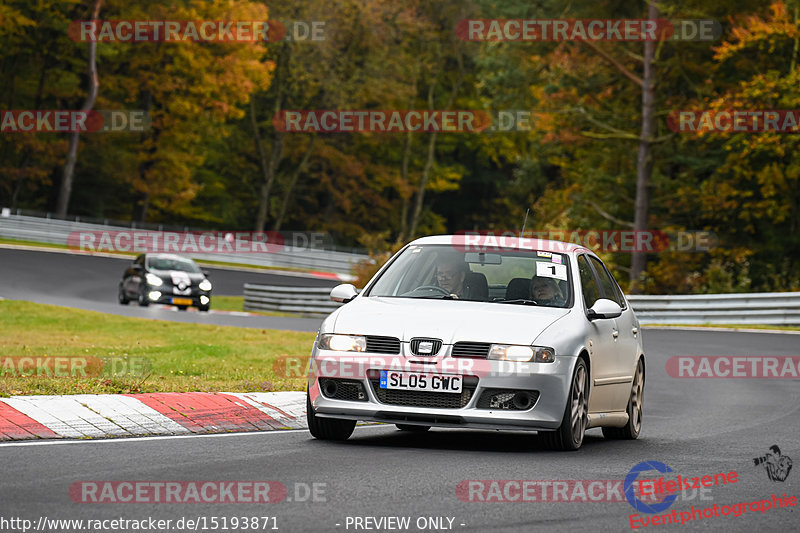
(522, 233)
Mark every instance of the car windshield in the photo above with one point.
(499, 276)
(172, 263)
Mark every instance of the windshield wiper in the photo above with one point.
(520, 301)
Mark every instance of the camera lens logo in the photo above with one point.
(630, 483)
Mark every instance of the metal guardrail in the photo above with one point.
(780, 308)
(55, 231)
(303, 300)
(777, 308)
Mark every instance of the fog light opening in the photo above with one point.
(204, 300)
(523, 400)
(154, 295)
(330, 388)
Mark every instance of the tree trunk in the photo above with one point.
(406, 195)
(26, 158)
(426, 172)
(644, 161)
(292, 182)
(423, 182)
(142, 200)
(72, 155)
(268, 167)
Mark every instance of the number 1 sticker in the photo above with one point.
(551, 270)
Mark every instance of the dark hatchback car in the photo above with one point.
(165, 279)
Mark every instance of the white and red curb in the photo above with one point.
(162, 413)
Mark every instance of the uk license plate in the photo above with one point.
(182, 301)
(391, 379)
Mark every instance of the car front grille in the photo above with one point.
(436, 400)
(437, 345)
(471, 349)
(377, 344)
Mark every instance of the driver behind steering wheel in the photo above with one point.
(451, 276)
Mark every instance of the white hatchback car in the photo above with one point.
(465, 332)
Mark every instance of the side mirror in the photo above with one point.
(137, 267)
(604, 308)
(343, 293)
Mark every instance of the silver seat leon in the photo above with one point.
(482, 332)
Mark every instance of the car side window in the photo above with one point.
(591, 293)
(608, 285)
(618, 290)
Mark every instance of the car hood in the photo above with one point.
(451, 321)
(174, 276)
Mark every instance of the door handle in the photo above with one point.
(615, 333)
(634, 330)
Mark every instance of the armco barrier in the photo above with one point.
(780, 308)
(55, 231)
(776, 308)
(301, 300)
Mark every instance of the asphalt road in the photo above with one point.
(697, 427)
(90, 282)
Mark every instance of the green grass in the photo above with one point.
(236, 303)
(182, 357)
(733, 326)
(22, 242)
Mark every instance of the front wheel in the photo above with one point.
(631, 430)
(143, 301)
(327, 428)
(122, 297)
(569, 436)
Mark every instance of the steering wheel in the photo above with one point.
(433, 287)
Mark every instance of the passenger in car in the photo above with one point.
(546, 292)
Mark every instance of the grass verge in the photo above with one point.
(180, 357)
(236, 303)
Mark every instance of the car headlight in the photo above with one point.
(342, 343)
(522, 354)
(205, 285)
(153, 280)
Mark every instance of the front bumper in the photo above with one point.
(550, 382)
(168, 298)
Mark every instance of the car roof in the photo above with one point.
(484, 240)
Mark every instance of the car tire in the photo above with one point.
(181, 307)
(412, 427)
(327, 428)
(142, 300)
(204, 308)
(122, 297)
(631, 430)
(569, 435)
